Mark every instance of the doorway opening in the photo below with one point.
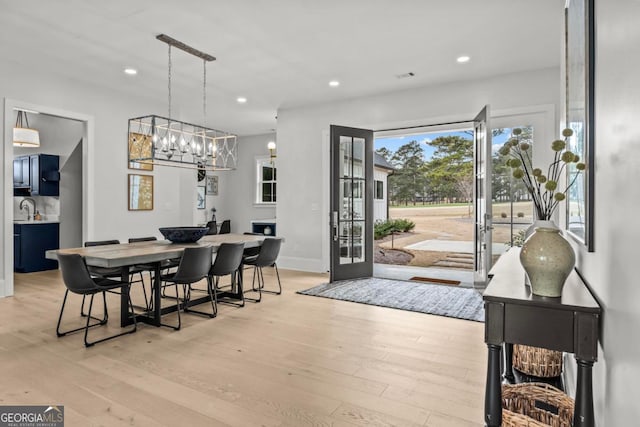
(425, 230)
(63, 210)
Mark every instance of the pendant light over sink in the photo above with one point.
(165, 141)
(23, 136)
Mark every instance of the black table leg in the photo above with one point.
(493, 392)
(125, 318)
(583, 415)
(156, 295)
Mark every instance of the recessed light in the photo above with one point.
(334, 83)
(241, 99)
(130, 71)
(462, 59)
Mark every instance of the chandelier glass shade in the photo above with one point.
(168, 142)
(23, 136)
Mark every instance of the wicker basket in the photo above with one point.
(539, 401)
(538, 362)
(511, 419)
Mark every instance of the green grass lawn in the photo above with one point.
(435, 205)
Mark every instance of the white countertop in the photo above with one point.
(25, 222)
(269, 220)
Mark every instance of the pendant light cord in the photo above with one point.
(169, 72)
(204, 92)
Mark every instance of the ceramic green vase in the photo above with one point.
(547, 259)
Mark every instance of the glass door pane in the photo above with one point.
(352, 202)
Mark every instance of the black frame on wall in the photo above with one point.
(579, 115)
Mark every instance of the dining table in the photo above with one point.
(126, 255)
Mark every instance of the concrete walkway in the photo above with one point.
(404, 272)
(453, 246)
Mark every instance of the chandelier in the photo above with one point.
(23, 135)
(165, 141)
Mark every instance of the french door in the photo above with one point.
(482, 197)
(351, 203)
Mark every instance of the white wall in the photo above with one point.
(380, 205)
(303, 151)
(107, 167)
(71, 199)
(610, 270)
(237, 188)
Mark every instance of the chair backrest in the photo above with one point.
(142, 239)
(213, 228)
(268, 252)
(101, 243)
(75, 274)
(254, 250)
(225, 227)
(194, 264)
(228, 259)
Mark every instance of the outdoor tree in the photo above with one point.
(407, 181)
(385, 152)
(450, 170)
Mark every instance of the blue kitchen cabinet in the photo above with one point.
(30, 242)
(36, 175)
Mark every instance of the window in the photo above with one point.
(266, 181)
(379, 190)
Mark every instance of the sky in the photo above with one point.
(393, 143)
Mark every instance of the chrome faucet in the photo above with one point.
(23, 206)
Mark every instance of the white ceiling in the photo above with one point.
(279, 53)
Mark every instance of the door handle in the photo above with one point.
(334, 225)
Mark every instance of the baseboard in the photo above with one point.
(311, 265)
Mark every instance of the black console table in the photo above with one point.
(513, 315)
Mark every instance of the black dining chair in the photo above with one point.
(194, 266)
(227, 262)
(269, 251)
(213, 228)
(78, 280)
(104, 272)
(165, 265)
(115, 272)
(225, 227)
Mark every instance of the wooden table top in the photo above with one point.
(153, 251)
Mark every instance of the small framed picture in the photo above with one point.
(212, 185)
(140, 192)
(201, 200)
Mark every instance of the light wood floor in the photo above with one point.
(291, 360)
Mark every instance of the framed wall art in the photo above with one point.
(140, 192)
(212, 185)
(201, 200)
(579, 114)
(139, 146)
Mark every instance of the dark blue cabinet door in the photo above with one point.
(17, 249)
(35, 240)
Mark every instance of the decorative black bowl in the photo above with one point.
(183, 234)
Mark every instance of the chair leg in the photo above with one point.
(88, 343)
(59, 333)
(279, 291)
(212, 298)
(144, 292)
(240, 292)
(260, 286)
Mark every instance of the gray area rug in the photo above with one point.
(412, 296)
